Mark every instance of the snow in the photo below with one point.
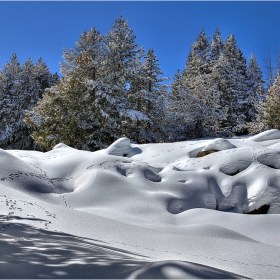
(142, 211)
(219, 144)
(136, 115)
(271, 134)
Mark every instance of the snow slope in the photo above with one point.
(142, 211)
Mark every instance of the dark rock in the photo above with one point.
(262, 210)
(205, 153)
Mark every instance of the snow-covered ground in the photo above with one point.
(173, 210)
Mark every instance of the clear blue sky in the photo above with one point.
(43, 29)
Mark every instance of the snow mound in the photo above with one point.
(60, 146)
(219, 144)
(271, 134)
(122, 147)
(270, 159)
(21, 176)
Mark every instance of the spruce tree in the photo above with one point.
(204, 108)
(201, 94)
(92, 99)
(177, 112)
(9, 106)
(267, 109)
(273, 104)
(122, 64)
(197, 64)
(198, 58)
(216, 47)
(229, 74)
(271, 70)
(256, 90)
(145, 92)
(21, 88)
(76, 110)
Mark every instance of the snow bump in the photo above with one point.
(219, 144)
(271, 134)
(122, 147)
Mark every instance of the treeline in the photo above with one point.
(112, 88)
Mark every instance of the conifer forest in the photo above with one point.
(110, 88)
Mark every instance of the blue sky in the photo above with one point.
(43, 29)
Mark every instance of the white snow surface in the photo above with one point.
(219, 144)
(142, 211)
(136, 115)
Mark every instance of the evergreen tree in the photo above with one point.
(91, 102)
(203, 112)
(177, 114)
(217, 93)
(197, 64)
(256, 89)
(273, 104)
(216, 47)
(196, 109)
(9, 92)
(206, 113)
(76, 110)
(198, 58)
(122, 64)
(267, 109)
(21, 88)
(145, 91)
(229, 75)
(271, 70)
(162, 120)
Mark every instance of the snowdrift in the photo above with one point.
(172, 210)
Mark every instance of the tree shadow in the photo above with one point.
(30, 252)
(181, 270)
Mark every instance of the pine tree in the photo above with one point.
(229, 75)
(196, 109)
(122, 64)
(256, 89)
(76, 110)
(145, 93)
(21, 88)
(216, 48)
(267, 109)
(9, 105)
(198, 58)
(177, 113)
(92, 99)
(271, 70)
(203, 112)
(162, 120)
(273, 104)
(197, 64)
(204, 108)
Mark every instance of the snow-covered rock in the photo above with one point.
(219, 144)
(122, 147)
